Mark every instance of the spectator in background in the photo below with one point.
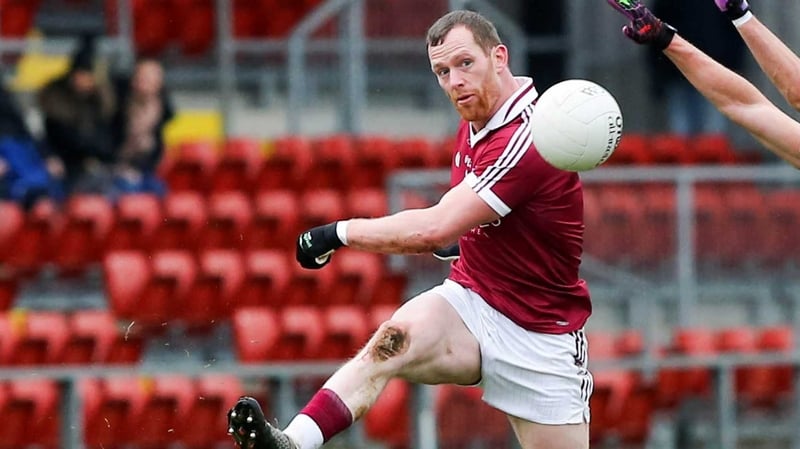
(77, 109)
(144, 109)
(24, 178)
(688, 112)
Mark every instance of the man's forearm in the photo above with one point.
(412, 231)
(778, 61)
(738, 99)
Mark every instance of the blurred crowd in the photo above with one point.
(102, 133)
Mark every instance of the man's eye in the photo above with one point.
(442, 72)
(466, 63)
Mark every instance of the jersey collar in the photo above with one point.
(511, 109)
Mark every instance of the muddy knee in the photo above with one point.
(391, 340)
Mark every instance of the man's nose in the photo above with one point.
(456, 80)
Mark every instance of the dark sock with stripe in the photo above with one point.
(330, 413)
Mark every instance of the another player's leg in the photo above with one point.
(425, 341)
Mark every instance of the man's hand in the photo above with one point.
(449, 253)
(315, 246)
(644, 27)
(734, 9)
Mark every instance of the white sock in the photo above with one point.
(305, 432)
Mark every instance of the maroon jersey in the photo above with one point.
(524, 264)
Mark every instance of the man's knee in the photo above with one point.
(390, 341)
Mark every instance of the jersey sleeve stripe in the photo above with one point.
(518, 145)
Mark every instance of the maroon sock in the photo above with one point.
(330, 413)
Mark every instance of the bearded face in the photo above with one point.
(467, 74)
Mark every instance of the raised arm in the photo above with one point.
(776, 59)
(734, 96)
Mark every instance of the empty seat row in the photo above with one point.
(674, 149)
(155, 412)
(297, 163)
(455, 407)
(637, 224)
(624, 401)
(89, 226)
(190, 25)
(125, 411)
(176, 286)
(52, 337)
(296, 333)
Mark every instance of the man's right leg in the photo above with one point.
(425, 341)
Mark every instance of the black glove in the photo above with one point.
(734, 9)
(644, 27)
(315, 246)
(448, 253)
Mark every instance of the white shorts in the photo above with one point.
(542, 378)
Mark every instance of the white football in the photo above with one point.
(576, 125)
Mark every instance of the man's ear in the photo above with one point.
(500, 57)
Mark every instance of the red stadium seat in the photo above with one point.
(207, 426)
(710, 149)
(620, 208)
(9, 284)
(346, 331)
(375, 157)
(184, 216)
(190, 166)
(211, 296)
(151, 31)
(166, 409)
(739, 340)
(10, 226)
(709, 223)
(197, 26)
(745, 210)
(416, 152)
(126, 274)
(611, 389)
(137, 217)
(111, 422)
(147, 290)
(30, 414)
(9, 336)
(319, 207)
(782, 249)
(286, 166)
(256, 332)
(301, 333)
(635, 419)
(266, 278)
(676, 384)
(455, 406)
(18, 17)
(391, 288)
(275, 220)
(367, 203)
(332, 164)
(239, 164)
(669, 149)
(357, 277)
(229, 216)
(633, 149)
(388, 421)
(657, 244)
(774, 385)
(92, 337)
(42, 337)
(33, 245)
(80, 241)
(308, 287)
